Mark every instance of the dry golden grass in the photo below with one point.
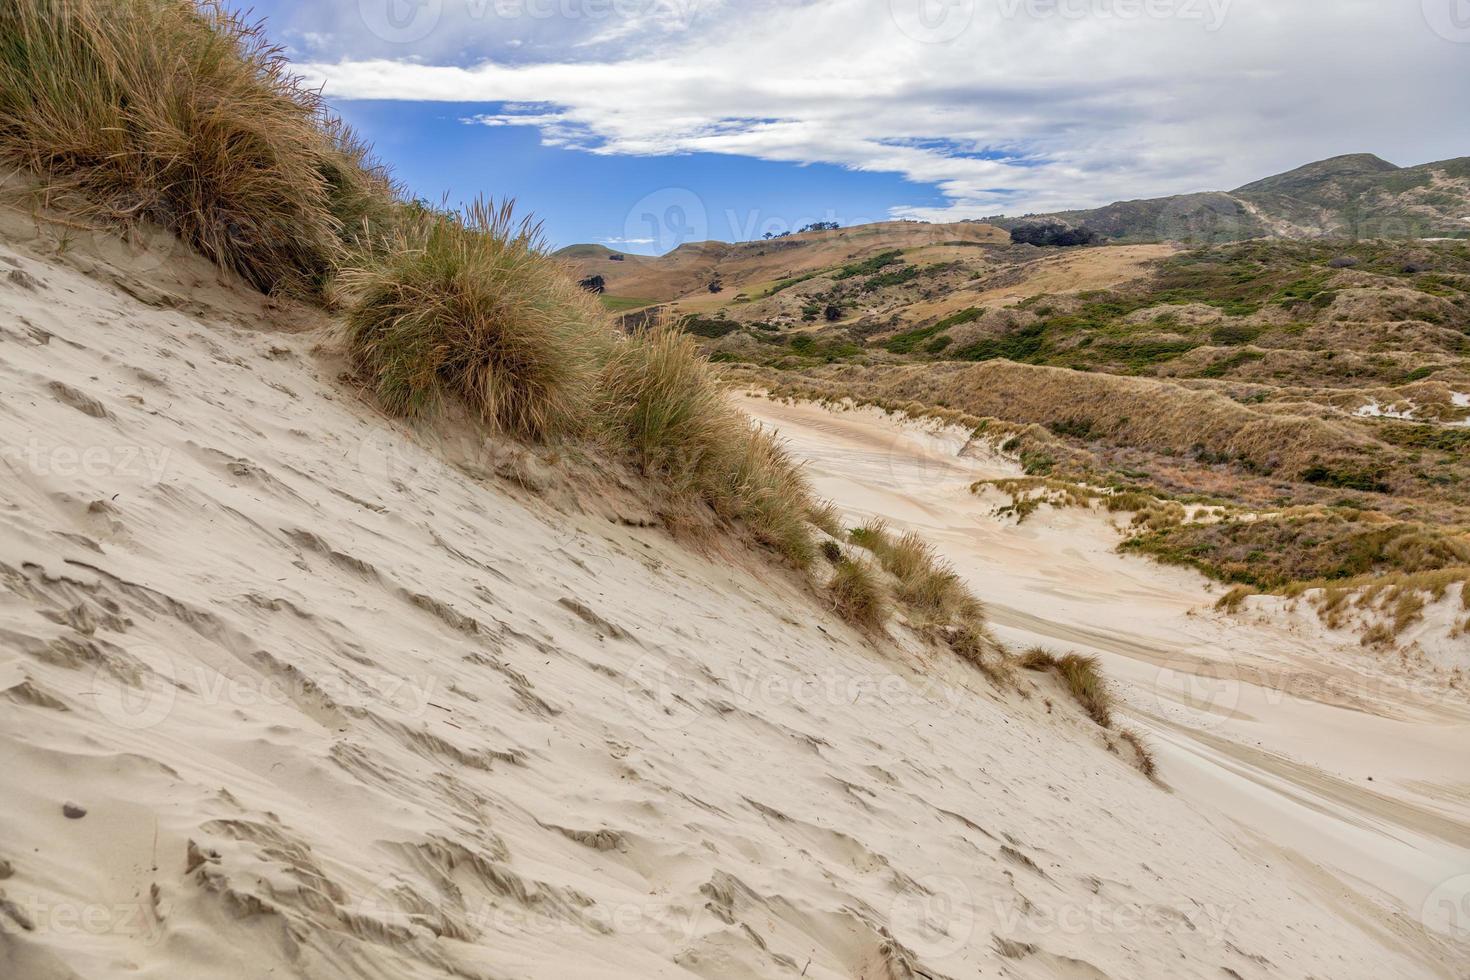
(184, 115)
(926, 583)
(973, 644)
(827, 518)
(857, 595)
(1400, 598)
(1141, 412)
(469, 306)
(1082, 676)
(658, 398)
(1233, 600)
(1142, 753)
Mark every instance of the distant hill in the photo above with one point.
(687, 272)
(1354, 196)
(951, 265)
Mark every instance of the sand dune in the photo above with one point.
(289, 693)
(1299, 737)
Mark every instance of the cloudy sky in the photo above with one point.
(644, 123)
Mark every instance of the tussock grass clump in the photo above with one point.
(469, 305)
(972, 643)
(873, 536)
(1233, 600)
(827, 518)
(909, 557)
(1083, 678)
(666, 407)
(926, 583)
(659, 399)
(857, 595)
(181, 113)
(938, 593)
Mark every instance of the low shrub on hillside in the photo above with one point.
(184, 115)
(1054, 233)
(1274, 552)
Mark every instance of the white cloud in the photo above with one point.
(1016, 105)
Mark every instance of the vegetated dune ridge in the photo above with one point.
(1310, 744)
(289, 693)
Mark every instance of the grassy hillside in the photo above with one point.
(1315, 395)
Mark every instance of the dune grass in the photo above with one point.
(1082, 676)
(1143, 753)
(972, 643)
(938, 603)
(183, 114)
(857, 595)
(927, 584)
(658, 398)
(469, 306)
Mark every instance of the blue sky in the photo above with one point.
(646, 123)
(645, 204)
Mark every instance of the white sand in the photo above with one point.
(334, 708)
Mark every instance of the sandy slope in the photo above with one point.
(334, 708)
(1300, 738)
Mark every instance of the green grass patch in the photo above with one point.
(868, 267)
(622, 304)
